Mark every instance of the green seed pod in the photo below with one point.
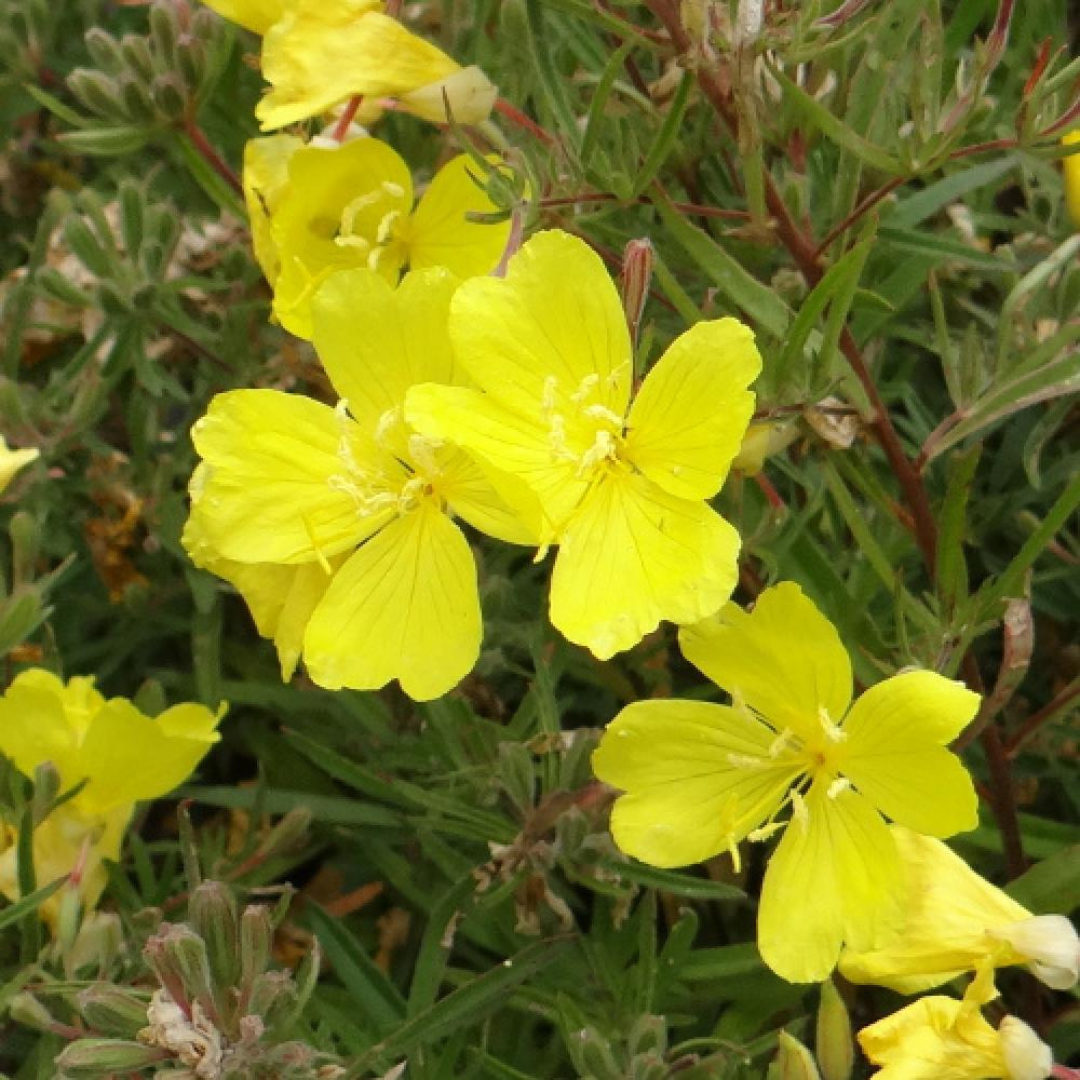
(95, 1059)
(214, 915)
(794, 1061)
(112, 1010)
(104, 51)
(97, 92)
(834, 1043)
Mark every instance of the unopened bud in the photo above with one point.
(289, 834)
(834, 1044)
(169, 96)
(592, 1055)
(178, 957)
(256, 942)
(648, 1035)
(97, 92)
(46, 788)
(273, 997)
(25, 1009)
(164, 33)
(191, 63)
(94, 1058)
(794, 1061)
(104, 50)
(25, 534)
(213, 914)
(637, 270)
(1027, 1057)
(97, 942)
(112, 1010)
(135, 100)
(135, 52)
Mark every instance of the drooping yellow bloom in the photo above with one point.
(122, 755)
(620, 487)
(320, 53)
(1071, 169)
(940, 1038)
(701, 777)
(348, 507)
(11, 461)
(956, 921)
(319, 209)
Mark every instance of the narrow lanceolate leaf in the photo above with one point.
(1051, 886)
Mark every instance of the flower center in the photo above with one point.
(581, 428)
(375, 226)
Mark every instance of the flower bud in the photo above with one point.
(104, 50)
(794, 1061)
(135, 100)
(112, 1010)
(273, 997)
(96, 91)
(834, 1043)
(135, 53)
(213, 914)
(1050, 944)
(637, 269)
(178, 958)
(648, 1035)
(94, 1058)
(592, 1055)
(164, 33)
(25, 1009)
(97, 942)
(256, 942)
(288, 834)
(169, 96)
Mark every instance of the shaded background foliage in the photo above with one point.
(871, 186)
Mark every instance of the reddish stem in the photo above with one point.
(1043, 716)
(212, 157)
(526, 123)
(344, 121)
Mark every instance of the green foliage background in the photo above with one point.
(910, 142)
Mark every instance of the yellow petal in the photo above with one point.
(466, 96)
(404, 607)
(127, 756)
(440, 234)
(320, 54)
(276, 487)
(35, 727)
(633, 555)
(1071, 169)
(690, 415)
(545, 490)
(551, 329)
(266, 181)
(955, 921)
(894, 752)
(11, 461)
(784, 659)
(693, 788)
(834, 877)
(254, 15)
(473, 496)
(376, 341)
(336, 210)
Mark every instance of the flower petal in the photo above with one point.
(553, 327)
(894, 752)
(404, 607)
(473, 496)
(376, 341)
(466, 97)
(11, 461)
(274, 485)
(688, 420)
(440, 234)
(693, 788)
(633, 555)
(127, 756)
(784, 659)
(254, 15)
(35, 726)
(266, 181)
(835, 876)
(319, 54)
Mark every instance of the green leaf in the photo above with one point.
(742, 290)
(106, 140)
(671, 881)
(28, 905)
(667, 136)
(1052, 886)
(952, 579)
(323, 808)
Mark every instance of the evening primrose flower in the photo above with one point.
(351, 501)
(317, 209)
(956, 921)
(11, 461)
(620, 487)
(119, 755)
(701, 777)
(940, 1038)
(320, 53)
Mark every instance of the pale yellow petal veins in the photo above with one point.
(404, 607)
(895, 753)
(784, 659)
(440, 233)
(688, 419)
(632, 556)
(698, 778)
(548, 336)
(835, 877)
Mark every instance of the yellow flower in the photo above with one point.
(955, 921)
(319, 209)
(701, 777)
(11, 461)
(620, 488)
(1071, 169)
(940, 1038)
(255, 15)
(349, 507)
(120, 755)
(321, 53)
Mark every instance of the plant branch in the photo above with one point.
(1050, 711)
(211, 156)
